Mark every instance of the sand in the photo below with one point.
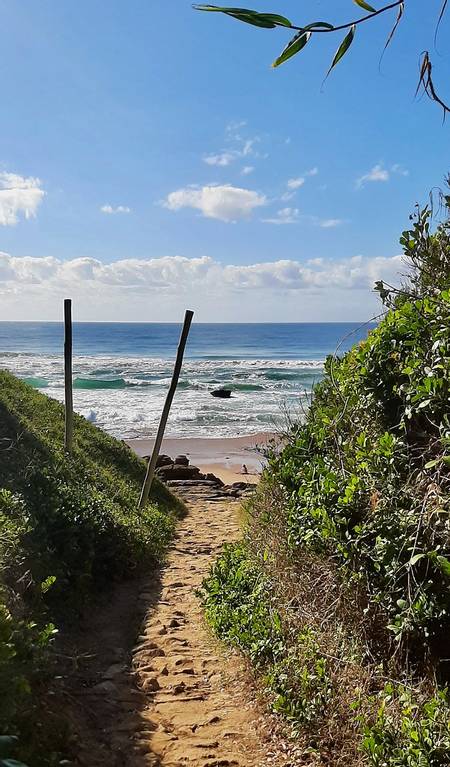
(200, 709)
(222, 456)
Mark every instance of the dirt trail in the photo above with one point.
(175, 697)
(198, 710)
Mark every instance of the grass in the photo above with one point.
(69, 529)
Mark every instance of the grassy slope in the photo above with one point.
(68, 528)
(340, 591)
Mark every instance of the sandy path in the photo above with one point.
(198, 708)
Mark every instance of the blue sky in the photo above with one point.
(174, 123)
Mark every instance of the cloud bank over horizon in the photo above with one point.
(159, 289)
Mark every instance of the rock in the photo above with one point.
(178, 472)
(221, 393)
(181, 460)
(163, 460)
(239, 486)
(151, 684)
(191, 482)
(212, 478)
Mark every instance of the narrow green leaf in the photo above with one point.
(253, 19)
(294, 46)
(366, 6)
(317, 25)
(444, 565)
(343, 48)
(276, 19)
(221, 9)
(268, 20)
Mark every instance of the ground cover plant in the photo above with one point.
(68, 529)
(340, 590)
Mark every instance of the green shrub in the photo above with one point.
(235, 598)
(418, 736)
(360, 494)
(301, 682)
(237, 601)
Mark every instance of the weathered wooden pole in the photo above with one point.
(166, 409)
(68, 399)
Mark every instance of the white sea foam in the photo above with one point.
(125, 395)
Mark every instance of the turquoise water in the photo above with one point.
(122, 371)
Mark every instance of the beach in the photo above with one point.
(222, 456)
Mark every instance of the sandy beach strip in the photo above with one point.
(223, 456)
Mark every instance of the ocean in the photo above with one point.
(122, 372)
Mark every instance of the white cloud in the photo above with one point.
(33, 288)
(295, 183)
(239, 148)
(223, 159)
(18, 196)
(378, 173)
(293, 216)
(400, 170)
(284, 216)
(119, 209)
(329, 223)
(224, 202)
(247, 169)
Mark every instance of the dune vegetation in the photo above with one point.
(69, 530)
(339, 592)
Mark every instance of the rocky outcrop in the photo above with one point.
(180, 474)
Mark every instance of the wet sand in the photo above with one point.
(223, 456)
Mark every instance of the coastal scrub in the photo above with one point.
(69, 529)
(346, 554)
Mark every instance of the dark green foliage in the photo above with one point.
(367, 476)
(68, 528)
(304, 32)
(240, 608)
(419, 736)
(363, 497)
(236, 605)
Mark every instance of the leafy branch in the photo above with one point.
(303, 34)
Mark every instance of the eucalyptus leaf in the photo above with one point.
(248, 16)
(253, 19)
(365, 6)
(317, 25)
(294, 46)
(343, 48)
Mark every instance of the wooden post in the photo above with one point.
(68, 399)
(166, 409)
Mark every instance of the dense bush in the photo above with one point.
(360, 496)
(68, 528)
